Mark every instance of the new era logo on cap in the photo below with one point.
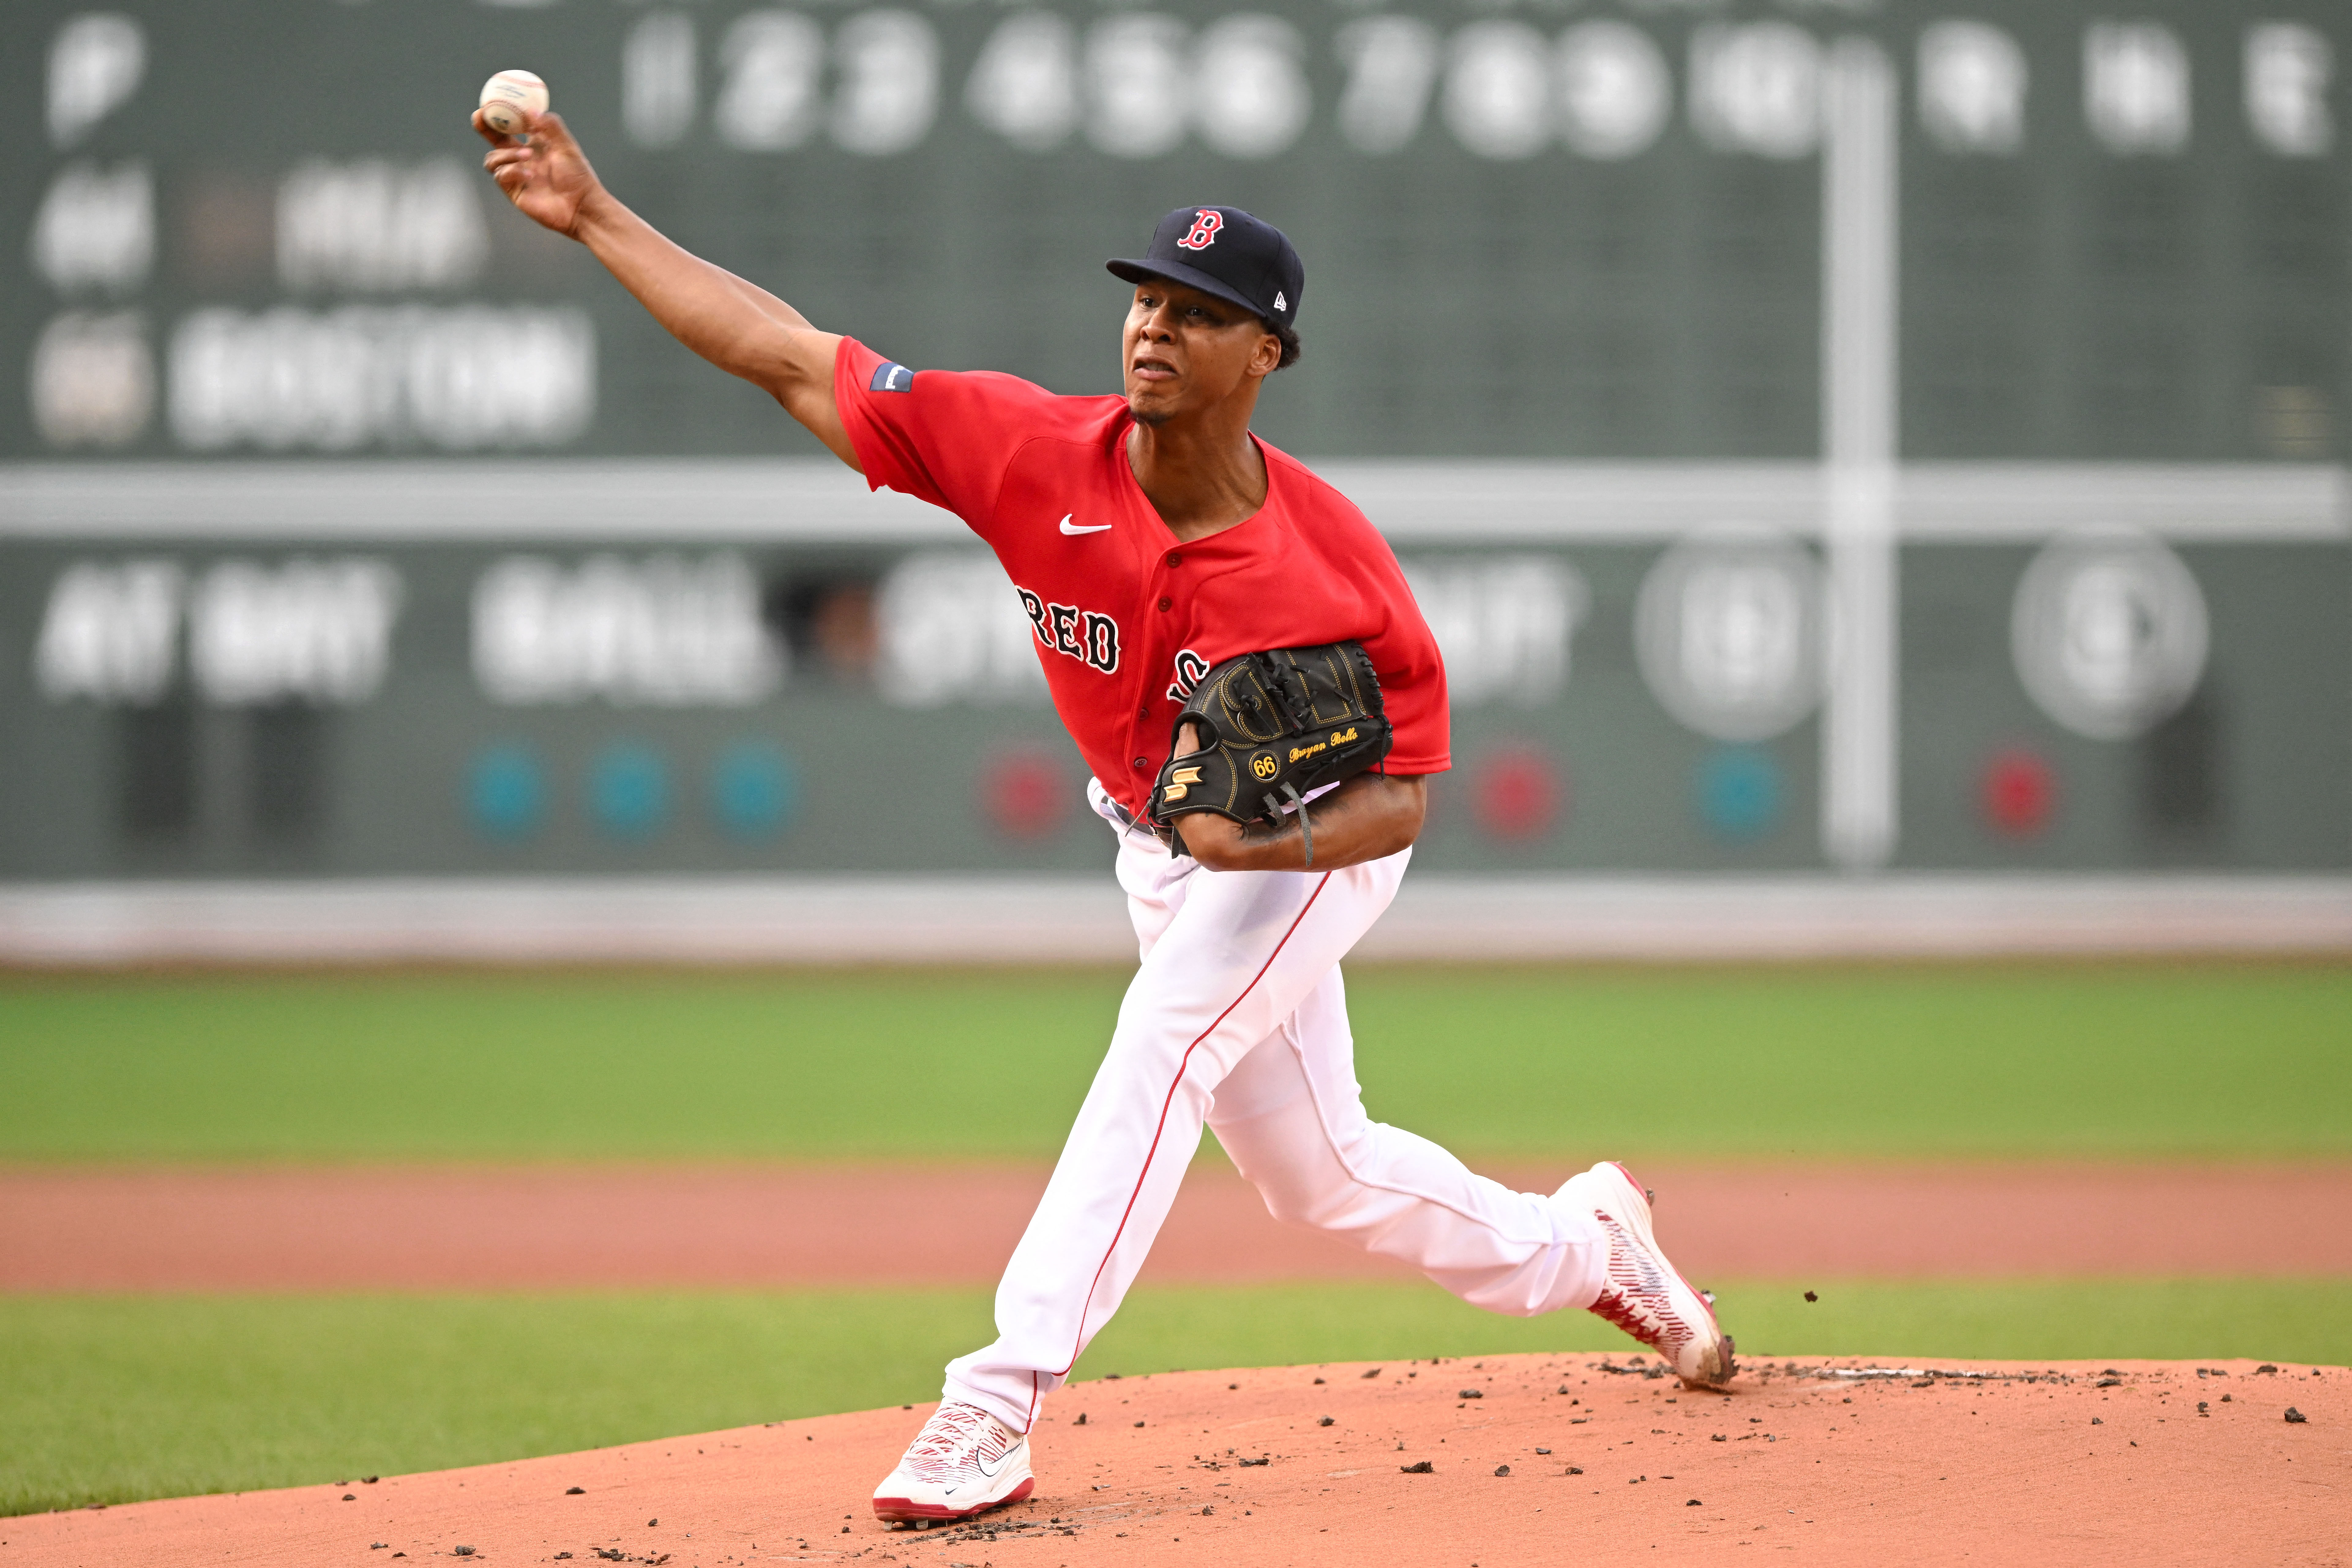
(1226, 252)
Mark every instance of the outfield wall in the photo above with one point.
(1875, 470)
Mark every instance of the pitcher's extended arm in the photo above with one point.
(740, 327)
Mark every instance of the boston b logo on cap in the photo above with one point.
(1226, 252)
(1203, 232)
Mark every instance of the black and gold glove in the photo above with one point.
(1270, 727)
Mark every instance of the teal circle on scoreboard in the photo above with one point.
(506, 791)
(754, 791)
(628, 790)
(1739, 791)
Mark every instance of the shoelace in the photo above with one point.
(949, 1437)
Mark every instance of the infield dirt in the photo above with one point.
(488, 1228)
(1531, 1459)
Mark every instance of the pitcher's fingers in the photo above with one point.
(498, 158)
(547, 126)
(495, 138)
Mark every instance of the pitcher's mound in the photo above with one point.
(1506, 1460)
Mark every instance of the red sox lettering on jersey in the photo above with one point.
(1190, 668)
(1126, 614)
(1086, 635)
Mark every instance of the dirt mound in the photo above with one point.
(1505, 1460)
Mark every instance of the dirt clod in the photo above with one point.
(1502, 1469)
(1373, 1372)
(1471, 1394)
(1812, 1297)
(2296, 1417)
(575, 1492)
(1419, 1467)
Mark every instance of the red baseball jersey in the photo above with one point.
(1128, 617)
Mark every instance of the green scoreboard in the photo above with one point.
(1825, 433)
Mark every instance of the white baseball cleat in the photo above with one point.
(1642, 1294)
(963, 1462)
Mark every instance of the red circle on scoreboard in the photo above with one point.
(1520, 793)
(1026, 794)
(2019, 791)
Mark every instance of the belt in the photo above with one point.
(1128, 818)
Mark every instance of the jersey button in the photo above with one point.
(1141, 765)
(1167, 604)
(1175, 560)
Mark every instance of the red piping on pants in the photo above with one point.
(1156, 1132)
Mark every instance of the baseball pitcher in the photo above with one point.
(1235, 653)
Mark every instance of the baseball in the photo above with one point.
(510, 96)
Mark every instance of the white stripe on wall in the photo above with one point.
(818, 500)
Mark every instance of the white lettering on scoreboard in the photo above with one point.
(952, 629)
(1502, 623)
(467, 378)
(316, 630)
(373, 225)
(665, 631)
(110, 633)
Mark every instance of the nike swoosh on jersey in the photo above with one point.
(1069, 527)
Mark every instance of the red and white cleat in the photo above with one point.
(963, 1462)
(1642, 1293)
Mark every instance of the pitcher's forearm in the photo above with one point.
(1368, 818)
(743, 329)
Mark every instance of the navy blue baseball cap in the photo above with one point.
(1226, 252)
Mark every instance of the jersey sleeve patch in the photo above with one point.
(891, 376)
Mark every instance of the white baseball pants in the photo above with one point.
(1237, 1018)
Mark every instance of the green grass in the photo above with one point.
(2204, 1060)
(111, 1398)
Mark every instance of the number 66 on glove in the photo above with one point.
(1272, 727)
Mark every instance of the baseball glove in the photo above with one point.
(1272, 726)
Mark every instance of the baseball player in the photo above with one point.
(1151, 538)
